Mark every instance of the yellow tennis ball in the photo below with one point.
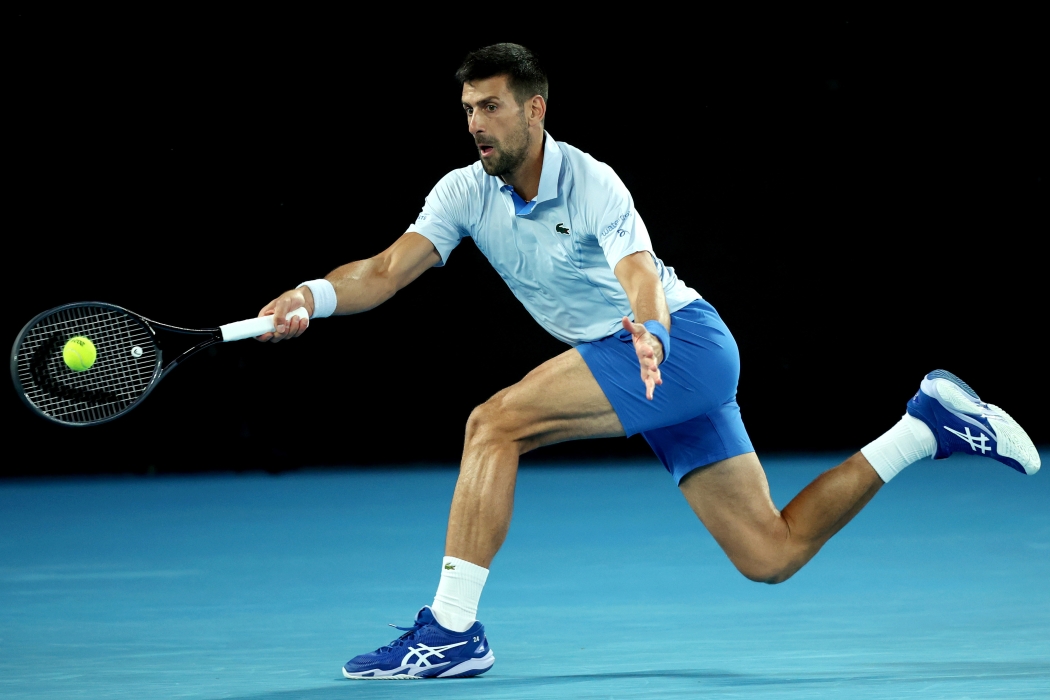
(79, 353)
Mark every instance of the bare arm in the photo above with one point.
(366, 284)
(360, 285)
(639, 278)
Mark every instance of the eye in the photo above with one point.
(490, 107)
(468, 110)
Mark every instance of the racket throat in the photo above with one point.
(215, 339)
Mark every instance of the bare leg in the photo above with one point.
(558, 401)
(732, 499)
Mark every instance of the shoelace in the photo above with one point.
(409, 633)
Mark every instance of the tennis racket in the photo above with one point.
(129, 360)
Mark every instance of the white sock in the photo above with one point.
(908, 441)
(456, 602)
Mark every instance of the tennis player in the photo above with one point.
(647, 355)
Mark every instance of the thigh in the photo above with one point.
(559, 400)
(731, 498)
(709, 438)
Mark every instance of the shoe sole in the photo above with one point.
(398, 677)
(478, 666)
(1011, 441)
(470, 667)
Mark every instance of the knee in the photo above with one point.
(488, 423)
(770, 576)
(769, 569)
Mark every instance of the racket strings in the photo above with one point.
(125, 365)
(38, 368)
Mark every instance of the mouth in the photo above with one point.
(485, 150)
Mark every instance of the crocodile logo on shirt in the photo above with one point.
(560, 228)
(450, 567)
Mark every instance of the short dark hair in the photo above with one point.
(525, 77)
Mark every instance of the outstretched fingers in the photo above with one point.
(647, 360)
(650, 371)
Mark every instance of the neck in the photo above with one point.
(526, 179)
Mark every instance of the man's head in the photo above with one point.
(505, 99)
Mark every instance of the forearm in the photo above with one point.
(640, 280)
(365, 284)
(361, 285)
(358, 286)
(645, 291)
(649, 303)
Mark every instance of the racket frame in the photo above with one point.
(212, 336)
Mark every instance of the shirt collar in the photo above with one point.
(550, 173)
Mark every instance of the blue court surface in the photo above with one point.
(257, 586)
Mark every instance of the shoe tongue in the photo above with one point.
(425, 615)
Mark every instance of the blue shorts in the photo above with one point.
(693, 419)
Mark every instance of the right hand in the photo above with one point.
(279, 308)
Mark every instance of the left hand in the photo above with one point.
(650, 354)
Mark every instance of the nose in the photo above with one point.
(474, 124)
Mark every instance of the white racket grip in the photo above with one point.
(254, 327)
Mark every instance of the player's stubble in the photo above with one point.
(511, 152)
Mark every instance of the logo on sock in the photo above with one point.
(974, 442)
(452, 567)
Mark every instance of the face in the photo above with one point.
(499, 125)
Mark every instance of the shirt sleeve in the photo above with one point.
(620, 230)
(444, 218)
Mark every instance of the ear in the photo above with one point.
(536, 109)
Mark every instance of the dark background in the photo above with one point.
(861, 199)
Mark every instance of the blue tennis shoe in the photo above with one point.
(425, 650)
(963, 423)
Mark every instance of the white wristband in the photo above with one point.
(324, 297)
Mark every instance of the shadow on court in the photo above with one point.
(889, 680)
(251, 586)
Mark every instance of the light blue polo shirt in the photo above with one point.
(556, 253)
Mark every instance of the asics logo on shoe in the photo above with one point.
(977, 443)
(423, 653)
